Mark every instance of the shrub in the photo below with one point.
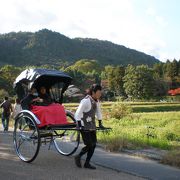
(3, 93)
(120, 110)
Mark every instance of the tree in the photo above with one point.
(160, 85)
(3, 93)
(171, 73)
(158, 70)
(85, 66)
(138, 82)
(116, 80)
(114, 75)
(8, 76)
(171, 69)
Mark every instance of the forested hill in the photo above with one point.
(48, 47)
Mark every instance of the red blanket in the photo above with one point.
(52, 114)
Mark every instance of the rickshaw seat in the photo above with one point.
(53, 114)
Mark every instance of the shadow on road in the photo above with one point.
(49, 165)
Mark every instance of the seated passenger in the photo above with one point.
(46, 99)
(31, 98)
(48, 113)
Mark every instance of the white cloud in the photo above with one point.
(151, 11)
(161, 21)
(113, 20)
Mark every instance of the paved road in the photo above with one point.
(136, 165)
(49, 165)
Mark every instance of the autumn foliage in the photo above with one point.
(174, 92)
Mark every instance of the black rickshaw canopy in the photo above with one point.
(41, 77)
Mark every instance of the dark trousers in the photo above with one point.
(5, 121)
(89, 139)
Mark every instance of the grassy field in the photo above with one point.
(137, 130)
(137, 107)
(150, 125)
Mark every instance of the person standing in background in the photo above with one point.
(7, 109)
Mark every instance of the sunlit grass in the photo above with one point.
(153, 124)
(137, 107)
(160, 130)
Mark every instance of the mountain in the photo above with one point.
(48, 47)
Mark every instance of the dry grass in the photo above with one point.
(172, 158)
(116, 145)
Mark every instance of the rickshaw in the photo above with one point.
(29, 134)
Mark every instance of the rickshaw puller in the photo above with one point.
(88, 108)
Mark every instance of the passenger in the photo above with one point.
(48, 113)
(41, 105)
(30, 99)
(85, 117)
(46, 99)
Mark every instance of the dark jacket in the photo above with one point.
(46, 99)
(7, 108)
(27, 101)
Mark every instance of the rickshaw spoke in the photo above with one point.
(19, 144)
(67, 141)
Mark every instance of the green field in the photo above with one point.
(137, 107)
(150, 125)
(157, 129)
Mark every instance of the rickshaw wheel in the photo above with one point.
(68, 140)
(26, 137)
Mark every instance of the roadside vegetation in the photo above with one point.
(145, 124)
(141, 125)
(137, 107)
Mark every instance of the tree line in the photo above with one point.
(134, 82)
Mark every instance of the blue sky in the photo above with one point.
(149, 26)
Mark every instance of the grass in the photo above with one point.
(159, 130)
(172, 158)
(153, 124)
(137, 107)
(156, 108)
